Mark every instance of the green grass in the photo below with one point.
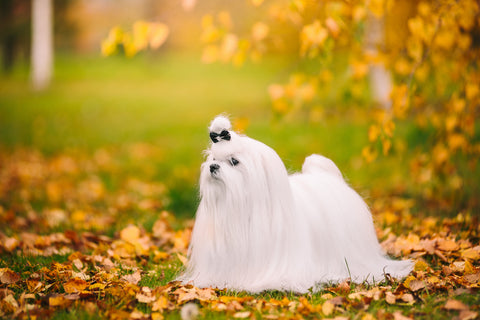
(168, 101)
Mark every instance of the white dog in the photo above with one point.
(257, 228)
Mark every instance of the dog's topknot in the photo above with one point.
(219, 124)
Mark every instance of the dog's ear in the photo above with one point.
(219, 129)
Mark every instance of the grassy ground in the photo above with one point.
(166, 101)
(88, 168)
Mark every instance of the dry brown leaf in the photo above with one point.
(145, 298)
(416, 285)
(467, 315)
(397, 315)
(8, 276)
(75, 285)
(455, 305)
(242, 315)
(133, 278)
(447, 245)
(390, 297)
(130, 234)
(471, 254)
(408, 298)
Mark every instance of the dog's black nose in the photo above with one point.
(214, 167)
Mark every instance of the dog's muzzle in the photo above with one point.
(214, 168)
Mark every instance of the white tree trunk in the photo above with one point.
(42, 44)
(380, 78)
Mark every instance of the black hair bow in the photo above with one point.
(224, 135)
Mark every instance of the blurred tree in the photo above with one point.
(423, 59)
(14, 30)
(42, 43)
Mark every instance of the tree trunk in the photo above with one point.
(380, 78)
(42, 44)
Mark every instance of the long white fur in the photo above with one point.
(257, 228)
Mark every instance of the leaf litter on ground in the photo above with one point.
(56, 256)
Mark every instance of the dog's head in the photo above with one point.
(241, 170)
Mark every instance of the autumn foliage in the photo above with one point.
(85, 234)
(72, 247)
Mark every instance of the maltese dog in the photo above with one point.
(258, 228)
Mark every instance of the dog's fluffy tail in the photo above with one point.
(316, 162)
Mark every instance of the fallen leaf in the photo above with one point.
(327, 308)
(133, 278)
(397, 315)
(416, 285)
(58, 300)
(144, 298)
(447, 245)
(8, 276)
(160, 304)
(242, 315)
(467, 315)
(75, 285)
(130, 234)
(455, 305)
(390, 297)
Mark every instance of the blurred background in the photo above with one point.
(117, 125)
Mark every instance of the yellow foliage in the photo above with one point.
(312, 36)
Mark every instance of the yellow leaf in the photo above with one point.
(378, 7)
(386, 145)
(327, 308)
(312, 35)
(160, 304)
(360, 69)
(369, 154)
(471, 254)
(415, 49)
(420, 265)
(157, 316)
(75, 285)
(407, 281)
(433, 280)
(472, 90)
(440, 154)
(469, 268)
(332, 26)
(445, 39)
(241, 124)
(257, 3)
(158, 33)
(130, 234)
(457, 141)
(140, 35)
(260, 31)
(96, 286)
(389, 127)
(58, 301)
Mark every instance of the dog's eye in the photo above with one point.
(234, 161)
